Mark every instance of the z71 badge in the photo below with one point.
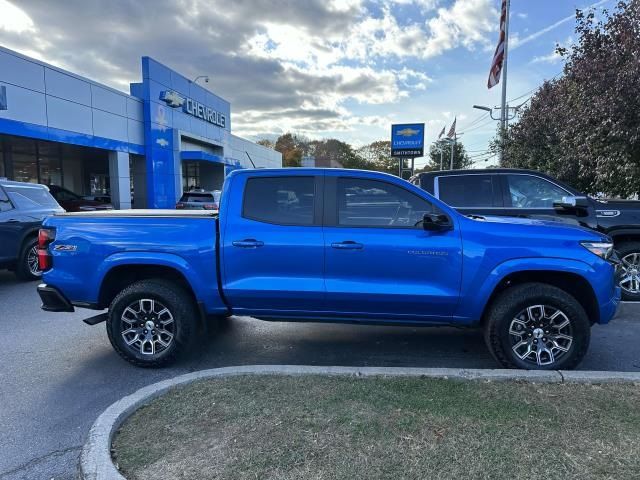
(65, 248)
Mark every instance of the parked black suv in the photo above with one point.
(23, 206)
(527, 193)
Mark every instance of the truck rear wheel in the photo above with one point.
(151, 322)
(536, 326)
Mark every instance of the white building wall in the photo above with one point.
(44, 95)
(263, 157)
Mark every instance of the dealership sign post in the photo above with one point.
(407, 141)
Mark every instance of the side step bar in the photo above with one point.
(96, 319)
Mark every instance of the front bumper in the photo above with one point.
(53, 300)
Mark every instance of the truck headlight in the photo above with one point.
(601, 249)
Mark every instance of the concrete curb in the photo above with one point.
(95, 460)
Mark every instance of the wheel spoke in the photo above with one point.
(147, 326)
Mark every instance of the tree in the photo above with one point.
(378, 156)
(460, 157)
(292, 148)
(584, 127)
(265, 142)
(337, 154)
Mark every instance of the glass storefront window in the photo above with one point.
(2, 170)
(25, 168)
(190, 176)
(50, 171)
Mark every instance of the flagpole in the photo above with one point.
(453, 144)
(503, 109)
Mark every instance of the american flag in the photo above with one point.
(442, 132)
(498, 56)
(452, 130)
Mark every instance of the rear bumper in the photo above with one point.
(53, 300)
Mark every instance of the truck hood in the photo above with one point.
(554, 222)
(618, 203)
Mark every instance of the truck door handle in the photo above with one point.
(347, 245)
(248, 243)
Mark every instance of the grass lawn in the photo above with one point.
(271, 427)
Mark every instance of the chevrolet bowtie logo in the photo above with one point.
(171, 98)
(407, 132)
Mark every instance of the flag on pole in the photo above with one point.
(452, 130)
(498, 56)
(442, 132)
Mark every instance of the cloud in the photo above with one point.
(282, 64)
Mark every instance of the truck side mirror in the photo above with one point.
(571, 203)
(434, 222)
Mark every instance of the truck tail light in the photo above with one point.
(45, 237)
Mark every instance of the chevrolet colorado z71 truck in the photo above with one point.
(329, 245)
(530, 194)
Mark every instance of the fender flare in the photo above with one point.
(168, 260)
(473, 304)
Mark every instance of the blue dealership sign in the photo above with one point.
(3, 98)
(407, 140)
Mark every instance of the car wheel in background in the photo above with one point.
(151, 322)
(27, 267)
(536, 326)
(629, 253)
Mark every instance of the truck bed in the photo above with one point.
(141, 213)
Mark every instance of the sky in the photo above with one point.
(346, 69)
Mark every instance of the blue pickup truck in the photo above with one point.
(330, 245)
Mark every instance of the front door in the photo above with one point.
(380, 262)
(530, 196)
(273, 248)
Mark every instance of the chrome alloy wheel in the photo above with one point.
(630, 273)
(540, 335)
(147, 326)
(32, 261)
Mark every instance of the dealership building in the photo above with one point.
(143, 149)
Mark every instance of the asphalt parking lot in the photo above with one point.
(59, 374)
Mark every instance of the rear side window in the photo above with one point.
(280, 200)
(31, 197)
(466, 190)
(5, 204)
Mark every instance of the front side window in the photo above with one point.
(527, 191)
(466, 190)
(372, 203)
(280, 200)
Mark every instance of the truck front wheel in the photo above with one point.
(536, 326)
(151, 322)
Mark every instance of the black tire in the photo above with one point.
(512, 303)
(23, 271)
(182, 309)
(624, 249)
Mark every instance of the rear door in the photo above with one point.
(273, 248)
(380, 262)
(479, 194)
